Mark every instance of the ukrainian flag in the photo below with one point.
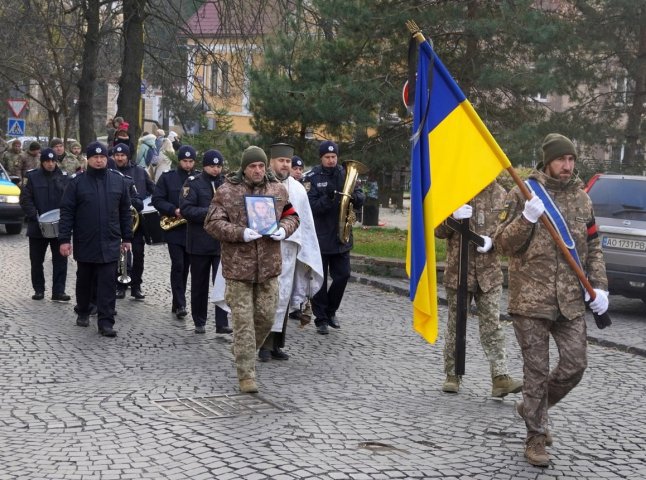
(453, 158)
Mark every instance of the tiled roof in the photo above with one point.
(218, 19)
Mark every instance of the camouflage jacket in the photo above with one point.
(226, 220)
(69, 163)
(541, 283)
(12, 162)
(484, 268)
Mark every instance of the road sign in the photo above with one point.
(17, 106)
(15, 127)
(405, 94)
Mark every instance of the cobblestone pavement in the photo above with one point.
(361, 403)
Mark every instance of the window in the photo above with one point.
(220, 79)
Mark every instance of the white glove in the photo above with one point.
(465, 211)
(278, 235)
(534, 208)
(250, 235)
(488, 243)
(600, 304)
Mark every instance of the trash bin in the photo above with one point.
(371, 215)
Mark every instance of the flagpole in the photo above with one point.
(419, 37)
(555, 236)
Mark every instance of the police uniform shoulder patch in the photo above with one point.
(307, 185)
(64, 173)
(185, 191)
(191, 178)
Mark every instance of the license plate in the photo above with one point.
(627, 244)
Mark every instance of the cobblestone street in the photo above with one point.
(363, 402)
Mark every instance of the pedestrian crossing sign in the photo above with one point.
(15, 127)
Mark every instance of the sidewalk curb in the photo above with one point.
(381, 285)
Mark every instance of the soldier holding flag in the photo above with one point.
(545, 294)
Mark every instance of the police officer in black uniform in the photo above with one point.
(166, 201)
(143, 186)
(322, 183)
(95, 209)
(297, 168)
(41, 193)
(204, 250)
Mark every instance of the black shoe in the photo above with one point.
(121, 294)
(181, 312)
(200, 329)
(278, 354)
(38, 296)
(107, 332)
(264, 355)
(82, 321)
(321, 328)
(61, 297)
(94, 310)
(223, 330)
(136, 293)
(294, 315)
(333, 322)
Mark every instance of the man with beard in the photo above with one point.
(302, 272)
(144, 186)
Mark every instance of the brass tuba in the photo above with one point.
(168, 223)
(346, 213)
(135, 218)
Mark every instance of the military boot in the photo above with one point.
(535, 452)
(504, 385)
(521, 413)
(248, 385)
(451, 384)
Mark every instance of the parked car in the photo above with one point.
(620, 210)
(11, 214)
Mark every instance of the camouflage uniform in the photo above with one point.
(484, 281)
(250, 269)
(545, 296)
(12, 161)
(69, 163)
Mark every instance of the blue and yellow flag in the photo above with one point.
(453, 158)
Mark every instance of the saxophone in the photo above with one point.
(168, 223)
(346, 213)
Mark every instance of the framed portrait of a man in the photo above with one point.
(261, 213)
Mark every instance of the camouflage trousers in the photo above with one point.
(543, 388)
(253, 307)
(492, 335)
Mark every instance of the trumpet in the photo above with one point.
(168, 223)
(135, 218)
(123, 268)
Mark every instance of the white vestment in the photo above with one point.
(302, 271)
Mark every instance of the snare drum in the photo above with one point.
(153, 233)
(48, 223)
